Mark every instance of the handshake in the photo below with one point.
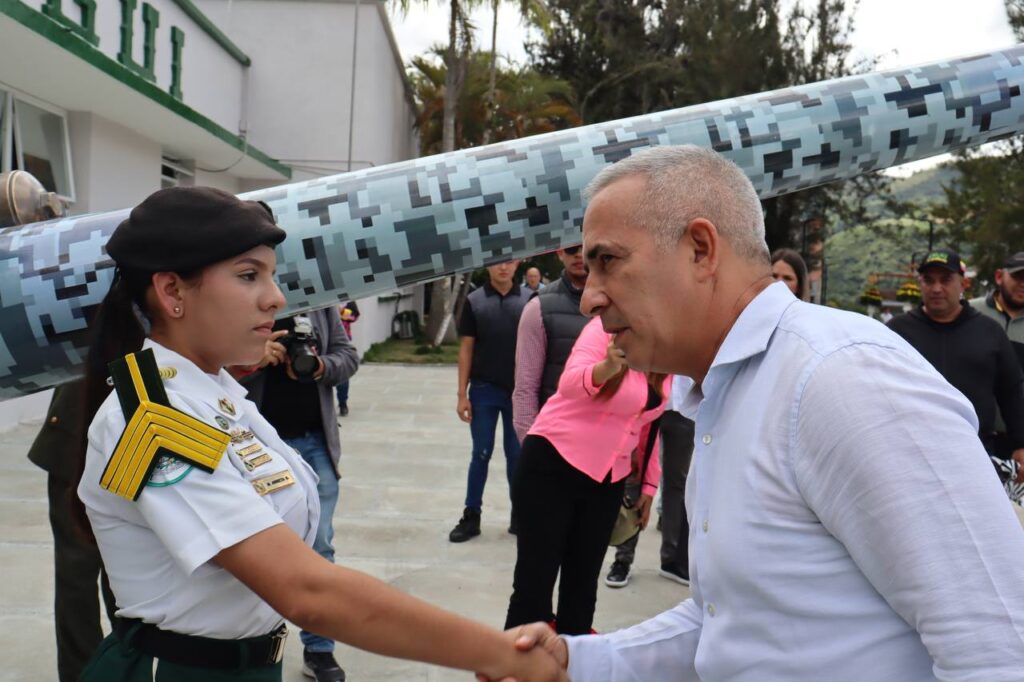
(540, 655)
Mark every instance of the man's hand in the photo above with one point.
(541, 635)
(643, 505)
(464, 409)
(535, 637)
(1018, 457)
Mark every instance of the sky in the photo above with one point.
(898, 33)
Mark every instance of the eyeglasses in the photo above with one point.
(572, 250)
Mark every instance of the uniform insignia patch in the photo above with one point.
(241, 435)
(226, 406)
(155, 431)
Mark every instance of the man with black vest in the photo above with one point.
(487, 353)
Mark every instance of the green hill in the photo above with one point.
(888, 246)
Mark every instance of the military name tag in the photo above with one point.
(268, 484)
(240, 436)
(259, 460)
(249, 449)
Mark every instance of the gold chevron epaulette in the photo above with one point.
(154, 429)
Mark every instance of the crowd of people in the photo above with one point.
(843, 519)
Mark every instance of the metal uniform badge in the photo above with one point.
(221, 422)
(258, 460)
(226, 406)
(249, 449)
(241, 435)
(268, 484)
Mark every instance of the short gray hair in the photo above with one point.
(687, 182)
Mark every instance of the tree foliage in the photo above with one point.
(525, 102)
(630, 57)
(984, 208)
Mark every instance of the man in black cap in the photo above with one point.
(1005, 304)
(969, 350)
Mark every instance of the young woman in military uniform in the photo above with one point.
(203, 516)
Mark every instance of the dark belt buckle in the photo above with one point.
(277, 641)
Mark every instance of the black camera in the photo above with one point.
(301, 345)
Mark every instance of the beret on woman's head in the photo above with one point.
(181, 229)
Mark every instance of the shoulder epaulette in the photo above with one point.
(154, 429)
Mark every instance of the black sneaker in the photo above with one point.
(321, 666)
(618, 575)
(343, 410)
(467, 527)
(671, 572)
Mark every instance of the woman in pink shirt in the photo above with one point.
(570, 479)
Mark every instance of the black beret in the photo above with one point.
(185, 228)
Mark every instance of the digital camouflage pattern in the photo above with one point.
(371, 231)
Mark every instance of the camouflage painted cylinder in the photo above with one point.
(370, 231)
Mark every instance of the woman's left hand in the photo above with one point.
(643, 505)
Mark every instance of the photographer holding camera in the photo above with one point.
(306, 356)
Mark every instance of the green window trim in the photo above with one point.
(56, 32)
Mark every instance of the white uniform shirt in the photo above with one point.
(845, 522)
(157, 549)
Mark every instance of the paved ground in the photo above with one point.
(402, 488)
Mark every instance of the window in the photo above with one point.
(40, 146)
(175, 173)
(34, 138)
(5, 132)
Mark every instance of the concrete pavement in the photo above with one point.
(404, 463)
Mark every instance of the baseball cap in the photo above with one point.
(1014, 263)
(944, 258)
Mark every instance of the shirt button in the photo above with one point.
(54, 420)
(711, 610)
(705, 525)
(707, 439)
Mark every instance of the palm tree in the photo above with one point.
(525, 103)
(536, 12)
(460, 39)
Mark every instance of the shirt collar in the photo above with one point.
(755, 325)
(189, 372)
(748, 337)
(491, 291)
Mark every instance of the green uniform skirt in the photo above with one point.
(114, 661)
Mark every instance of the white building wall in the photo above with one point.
(114, 167)
(299, 101)
(221, 180)
(294, 107)
(212, 79)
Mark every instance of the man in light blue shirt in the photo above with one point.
(845, 524)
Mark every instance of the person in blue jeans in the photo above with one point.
(487, 358)
(300, 405)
